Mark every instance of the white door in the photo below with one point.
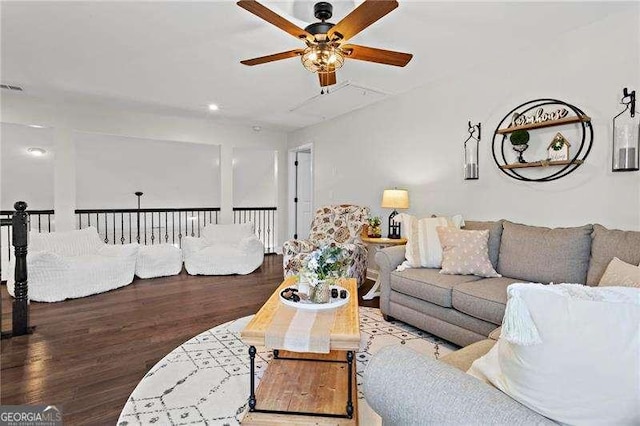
(304, 209)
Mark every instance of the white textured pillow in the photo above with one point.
(569, 352)
(465, 252)
(423, 247)
(620, 274)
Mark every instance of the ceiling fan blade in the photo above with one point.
(381, 56)
(327, 78)
(361, 17)
(273, 18)
(271, 58)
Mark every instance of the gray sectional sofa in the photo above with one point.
(405, 387)
(464, 309)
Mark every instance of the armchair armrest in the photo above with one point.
(387, 260)
(192, 245)
(293, 247)
(405, 387)
(251, 244)
(125, 250)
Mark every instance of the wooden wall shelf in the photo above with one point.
(540, 164)
(550, 123)
(502, 149)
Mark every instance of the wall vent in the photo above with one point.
(11, 87)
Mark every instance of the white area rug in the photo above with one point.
(206, 380)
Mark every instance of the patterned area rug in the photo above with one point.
(206, 380)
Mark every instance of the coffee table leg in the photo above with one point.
(252, 370)
(349, 396)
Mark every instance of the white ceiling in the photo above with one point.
(177, 57)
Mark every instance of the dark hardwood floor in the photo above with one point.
(87, 355)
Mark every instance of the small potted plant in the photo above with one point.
(321, 268)
(519, 139)
(375, 228)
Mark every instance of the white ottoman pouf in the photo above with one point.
(161, 260)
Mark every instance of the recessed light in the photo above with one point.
(213, 107)
(36, 126)
(36, 152)
(256, 128)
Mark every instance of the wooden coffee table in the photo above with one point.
(306, 388)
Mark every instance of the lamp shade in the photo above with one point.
(395, 199)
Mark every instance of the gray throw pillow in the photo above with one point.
(544, 255)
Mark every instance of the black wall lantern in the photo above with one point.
(471, 147)
(626, 136)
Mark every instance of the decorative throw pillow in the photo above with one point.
(569, 352)
(423, 247)
(620, 274)
(465, 252)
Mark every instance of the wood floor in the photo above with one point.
(87, 355)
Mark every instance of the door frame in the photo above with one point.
(291, 173)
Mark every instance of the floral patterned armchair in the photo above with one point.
(332, 225)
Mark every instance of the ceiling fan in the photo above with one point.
(326, 48)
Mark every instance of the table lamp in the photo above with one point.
(395, 199)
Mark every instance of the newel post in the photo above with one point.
(20, 225)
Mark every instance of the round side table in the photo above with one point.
(373, 246)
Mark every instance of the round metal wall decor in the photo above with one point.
(532, 125)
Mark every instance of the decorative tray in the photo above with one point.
(334, 302)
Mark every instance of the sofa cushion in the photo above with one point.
(495, 234)
(428, 284)
(545, 255)
(484, 299)
(610, 243)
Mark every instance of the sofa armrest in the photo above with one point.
(405, 387)
(116, 250)
(388, 260)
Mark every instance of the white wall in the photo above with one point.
(109, 169)
(23, 176)
(69, 119)
(415, 140)
(254, 178)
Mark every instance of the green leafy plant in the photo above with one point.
(519, 137)
(325, 262)
(374, 221)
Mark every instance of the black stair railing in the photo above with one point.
(264, 221)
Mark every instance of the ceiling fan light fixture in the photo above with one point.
(322, 57)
